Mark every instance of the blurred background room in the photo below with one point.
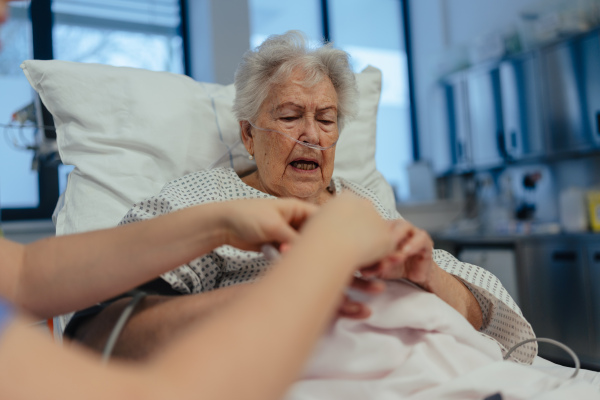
(488, 126)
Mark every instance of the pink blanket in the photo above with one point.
(415, 346)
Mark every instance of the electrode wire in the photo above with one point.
(138, 295)
(551, 341)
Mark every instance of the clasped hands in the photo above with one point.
(410, 259)
(346, 229)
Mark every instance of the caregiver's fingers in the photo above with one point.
(367, 286)
(372, 271)
(292, 215)
(295, 212)
(259, 221)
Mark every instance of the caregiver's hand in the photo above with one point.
(252, 223)
(350, 228)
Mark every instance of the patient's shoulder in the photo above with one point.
(201, 186)
(204, 177)
(198, 187)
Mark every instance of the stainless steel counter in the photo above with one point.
(484, 239)
(557, 285)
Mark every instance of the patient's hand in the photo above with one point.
(353, 309)
(412, 260)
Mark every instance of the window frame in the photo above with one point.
(42, 20)
(405, 18)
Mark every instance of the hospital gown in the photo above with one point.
(226, 266)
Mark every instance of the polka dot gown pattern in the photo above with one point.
(226, 266)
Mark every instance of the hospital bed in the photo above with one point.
(129, 131)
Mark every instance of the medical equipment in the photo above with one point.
(229, 150)
(551, 341)
(306, 144)
(270, 252)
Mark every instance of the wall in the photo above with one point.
(27, 231)
(219, 36)
(439, 31)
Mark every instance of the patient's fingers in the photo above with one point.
(419, 243)
(353, 309)
(400, 232)
(415, 258)
(411, 259)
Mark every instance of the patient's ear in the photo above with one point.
(247, 138)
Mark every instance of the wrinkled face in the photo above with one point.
(308, 114)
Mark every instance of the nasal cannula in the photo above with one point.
(237, 142)
(310, 145)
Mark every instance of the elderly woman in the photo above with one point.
(292, 103)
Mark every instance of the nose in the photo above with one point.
(310, 132)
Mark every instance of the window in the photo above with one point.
(372, 32)
(271, 17)
(134, 33)
(18, 181)
(129, 33)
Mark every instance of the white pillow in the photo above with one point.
(129, 131)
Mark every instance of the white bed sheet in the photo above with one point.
(541, 364)
(415, 346)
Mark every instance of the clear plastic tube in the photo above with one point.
(309, 145)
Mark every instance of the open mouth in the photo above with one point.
(304, 165)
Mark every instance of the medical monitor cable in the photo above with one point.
(123, 318)
(306, 144)
(272, 254)
(551, 341)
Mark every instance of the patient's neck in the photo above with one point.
(318, 197)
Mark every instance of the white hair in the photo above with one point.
(275, 60)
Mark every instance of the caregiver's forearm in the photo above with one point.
(257, 345)
(155, 322)
(102, 264)
(457, 295)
